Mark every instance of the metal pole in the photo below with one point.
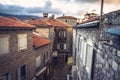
(101, 12)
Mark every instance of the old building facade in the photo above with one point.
(23, 55)
(96, 55)
(59, 32)
(42, 49)
(68, 19)
(16, 52)
(62, 40)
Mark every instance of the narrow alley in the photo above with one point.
(61, 69)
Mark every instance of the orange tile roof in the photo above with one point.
(13, 18)
(11, 23)
(39, 41)
(39, 22)
(67, 17)
(57, 23)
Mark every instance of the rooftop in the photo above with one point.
(89, 23)
(39, 41)
(13, 23)
(39, 23)
(58, 23)
(67, 17)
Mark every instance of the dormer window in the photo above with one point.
(66, 20)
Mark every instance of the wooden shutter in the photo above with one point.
(65, 46)
(38, 61)
(89, 59)
(84, 52)
(4, 45)
(22, 41)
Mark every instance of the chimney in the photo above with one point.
(45, 15)
(53, 16)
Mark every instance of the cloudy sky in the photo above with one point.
(57, 7)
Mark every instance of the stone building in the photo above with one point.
(23, 55)
(16, 51)
(68, 19)
(59, 32)
(107, 62)
(84, 38)
(96, 55)
(62, 40)
(42, 49)
(43, 28)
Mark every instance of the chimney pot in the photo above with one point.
(45, 15)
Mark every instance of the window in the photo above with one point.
(47, 56)
(89, 56)
(58, 46)
(62, 34)
(5, 77)
(38, 61)
(84, 52)
(65, 46)
(22, 41)
(4, 44)
(62, 46)
(22, 73)
(66, 20)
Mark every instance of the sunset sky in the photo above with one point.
(57, 7)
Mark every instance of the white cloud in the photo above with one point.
(67, 7)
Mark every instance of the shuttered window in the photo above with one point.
(5, 77)
(22, 41)
(65, 46)
(84, 53)
(38, 61)
(89, 56)
(4, 44)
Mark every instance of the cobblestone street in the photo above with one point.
(60, 70)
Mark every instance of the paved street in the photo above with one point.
(60, 70)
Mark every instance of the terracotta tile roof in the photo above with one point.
(67, 17)
(39, 41)
(57, 23)
(12, 23)
(13, 18)
(39, 23)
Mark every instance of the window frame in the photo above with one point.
(7, 44)
(38, 60)
(19, 73)
(19, 42)
(5, 77)
(89, 68)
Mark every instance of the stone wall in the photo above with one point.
(12, 61)
(107, 63)
(89, 34)
(72, 22)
